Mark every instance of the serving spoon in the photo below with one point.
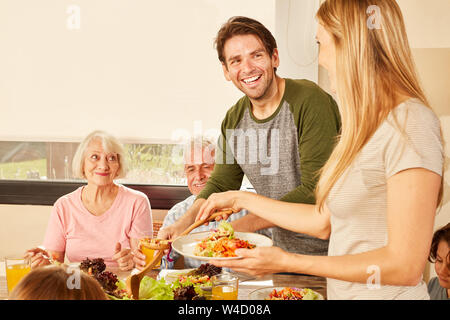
(133, 281)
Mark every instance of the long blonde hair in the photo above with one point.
(373, 68)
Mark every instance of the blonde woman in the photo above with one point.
(377, 195)
(101, 219)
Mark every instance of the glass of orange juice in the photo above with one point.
(224, 287)
(148, 252)
(16, 269)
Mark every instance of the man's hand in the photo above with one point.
(170, 232)
(218, 201)
(173, 231)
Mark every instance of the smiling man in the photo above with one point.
(198, 165)
(293, 121)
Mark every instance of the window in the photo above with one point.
(38, 173)
(148, 163)
(23, 160)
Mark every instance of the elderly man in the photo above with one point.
(199, 164)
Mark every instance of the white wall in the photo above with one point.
(295, 31)
(22, 228)
(138, 69)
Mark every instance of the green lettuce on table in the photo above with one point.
(149, 289)
(152, 289)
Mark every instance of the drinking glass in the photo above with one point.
(16, 269)
(225, 287)
(144, 238)
(149, 253)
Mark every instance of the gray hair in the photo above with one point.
(109, 143)
(199, 141)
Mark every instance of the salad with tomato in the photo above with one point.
(221, 243)
(288, 293)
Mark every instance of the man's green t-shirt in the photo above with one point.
(281, 155)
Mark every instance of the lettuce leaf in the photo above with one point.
(121, 285)
(309, 295)
(151, 289)
(225, 226)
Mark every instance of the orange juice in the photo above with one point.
(14, 273)
(224, 293)
(149, 253)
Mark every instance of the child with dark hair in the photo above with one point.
(439, 287)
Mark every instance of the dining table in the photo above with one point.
(247, 283)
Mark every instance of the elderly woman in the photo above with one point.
(101, 219)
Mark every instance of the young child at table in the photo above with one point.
(439, 287)
(57, 283)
